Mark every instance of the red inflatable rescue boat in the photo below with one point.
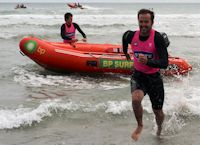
(88, 58)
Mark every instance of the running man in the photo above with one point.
(149, 54)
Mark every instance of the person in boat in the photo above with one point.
(75, 5)
(149, 55)
(22, 6)
(68, 30)
(79, 5)
(17, 6)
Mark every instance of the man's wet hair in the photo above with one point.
(68, 15)
(146, 11)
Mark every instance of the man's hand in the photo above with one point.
(84, 39)
(128, 56)
(142, 59)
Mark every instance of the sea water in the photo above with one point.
(42, 107)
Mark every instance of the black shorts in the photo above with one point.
(151, 84)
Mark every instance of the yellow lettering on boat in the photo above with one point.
(116, 64)
(107, 63)
(123, 64)
(110, 63)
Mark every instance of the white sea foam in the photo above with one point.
(179, 102)
(97, 19)
(116, 107)
(173, 125)
(89, 7)
(14, 118)
(31, 78)
(184, 25)
(180, 96)
(26, 116)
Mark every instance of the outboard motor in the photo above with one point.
(167, 42)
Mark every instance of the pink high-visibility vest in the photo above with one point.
(147, 48)
(69, 32)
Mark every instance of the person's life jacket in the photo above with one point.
(69, 32)
(146, 48)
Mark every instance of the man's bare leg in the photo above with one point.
(137, 97)
(159, 115)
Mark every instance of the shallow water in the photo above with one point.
(42, 107)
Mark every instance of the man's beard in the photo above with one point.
(145, 31)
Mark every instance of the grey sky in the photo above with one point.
(89, 1)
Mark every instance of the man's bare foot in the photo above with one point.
(136, 134)
(159, 131)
